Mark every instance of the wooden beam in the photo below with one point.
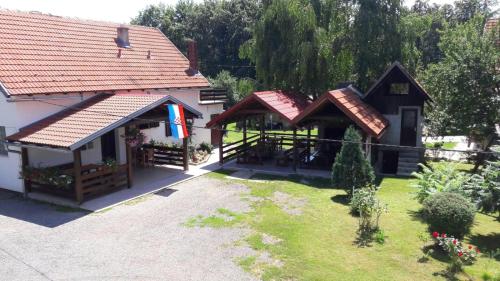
(308, 144)
(25, 163)
(130, 169)
(245, 131)
(77, 159)
(221, 146)
(295, 150)
(262, 127)
(185, 154)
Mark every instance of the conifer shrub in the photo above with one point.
(351, 169)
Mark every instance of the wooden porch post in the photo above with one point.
(221, 147)
(245, 131)
(77, 158)
(262, 127)
(308, 144)
(128, 153)
(368, 148)
(295, 150)
(25, 162)
(185, 154)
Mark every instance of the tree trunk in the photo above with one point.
(481, 157)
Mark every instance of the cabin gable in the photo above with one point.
(396, 89)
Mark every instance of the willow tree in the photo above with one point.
(377, 40)
(299, 45)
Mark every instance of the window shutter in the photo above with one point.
(168, 130)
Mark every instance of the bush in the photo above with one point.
(206, 147)
(484, 189)
(351, 169)
(449, 212)
(442, 177)
(362, 197)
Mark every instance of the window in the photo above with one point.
(88, 146)
(400, 89)
(149, 125)
(168, 130)
(3, 145)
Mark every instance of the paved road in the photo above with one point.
(141, 241)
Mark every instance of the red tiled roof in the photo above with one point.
(44, 54)
(365, 116)
(86, 121)
(285, 104)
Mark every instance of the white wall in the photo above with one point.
(190, 97)
(393, 133)
(15, 115)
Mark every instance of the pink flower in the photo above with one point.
(477, 250)
(435, 234)
(460, 254)
(443, 235)
(455, 242)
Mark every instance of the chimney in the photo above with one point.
(122, 37)
(192, 56)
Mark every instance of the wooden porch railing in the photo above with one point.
(100, 179)
(164, 155)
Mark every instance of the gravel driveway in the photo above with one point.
(143, 240)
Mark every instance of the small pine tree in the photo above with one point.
(351, 169)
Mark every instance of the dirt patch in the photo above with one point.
(289, 204)
(270, 240)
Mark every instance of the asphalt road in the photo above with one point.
(143, 240)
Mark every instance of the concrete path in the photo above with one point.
(143, 239)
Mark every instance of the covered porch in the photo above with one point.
(315, 129)
(96, 147)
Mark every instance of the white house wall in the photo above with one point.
(393, 133)
(190, 97)
(15, 115)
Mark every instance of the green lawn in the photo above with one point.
(446, 145)
(319, 243)
(233, 136)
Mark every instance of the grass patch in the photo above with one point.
(446, 145)
(247, 263)
(220, 174)
(319, 244)
(224, 218)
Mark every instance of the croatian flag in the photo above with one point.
(177, 121)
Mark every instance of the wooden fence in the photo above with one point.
(101, 179)
(232, 150)
(163, 155)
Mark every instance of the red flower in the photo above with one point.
(443, 235)
(460, 254)
(435, 234)
(455, 242)
(477, 250)
(470, 247)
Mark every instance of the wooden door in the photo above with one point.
(215, 133)
(108, 146)
(409, 118)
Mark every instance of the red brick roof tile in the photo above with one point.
(44, 54)
(287, 105)
(89, 119)
(365, 116)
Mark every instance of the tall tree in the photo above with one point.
(465, 84)
(377, 40)
(220, 27)
(299, 45)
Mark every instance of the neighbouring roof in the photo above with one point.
(45, 54)
(79, 124)
(398, 66)
(287, 105)
(365, 116)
